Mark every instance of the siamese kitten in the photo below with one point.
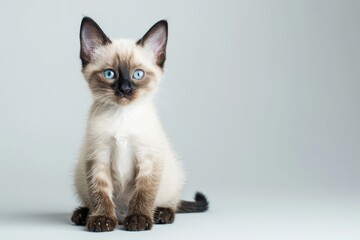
(127, 172)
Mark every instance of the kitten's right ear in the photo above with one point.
(91, 37)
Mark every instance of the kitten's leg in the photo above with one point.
(102, 211)
(141, 205)
(164, 215)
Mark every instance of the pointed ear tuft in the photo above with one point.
(91, 37)
(155, 40)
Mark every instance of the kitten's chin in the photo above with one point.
(123, 101)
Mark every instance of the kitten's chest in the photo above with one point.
(123, 161)
(119, 125)
(121, 131)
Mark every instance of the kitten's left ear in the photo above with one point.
(155, 40)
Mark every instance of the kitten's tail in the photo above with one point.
(201, 204)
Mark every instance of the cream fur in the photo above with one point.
(122, 137)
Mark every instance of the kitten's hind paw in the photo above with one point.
(138, 223)
(164, 215)
(80, 216)
(101, 223)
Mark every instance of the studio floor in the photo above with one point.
(236, 215)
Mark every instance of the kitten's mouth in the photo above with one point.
(122, 95)
(123, 99)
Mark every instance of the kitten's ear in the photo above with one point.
(155, 40)
(91, 37)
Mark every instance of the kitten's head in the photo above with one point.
(122, 71)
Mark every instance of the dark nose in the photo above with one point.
(125, 87)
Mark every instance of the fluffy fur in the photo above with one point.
(127, 162)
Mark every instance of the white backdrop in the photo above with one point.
(260, 98)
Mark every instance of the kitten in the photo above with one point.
(127, 172)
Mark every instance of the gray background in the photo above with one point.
(260, 98)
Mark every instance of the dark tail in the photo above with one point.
(201, 204)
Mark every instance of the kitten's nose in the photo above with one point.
(125, 87)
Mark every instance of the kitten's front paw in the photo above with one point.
(101, 223)
(138, 223)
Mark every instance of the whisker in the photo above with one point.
(100, 103)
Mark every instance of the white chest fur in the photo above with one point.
(123, 161)
(119, 134)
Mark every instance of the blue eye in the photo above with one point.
(138, 74)
(109, 74)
